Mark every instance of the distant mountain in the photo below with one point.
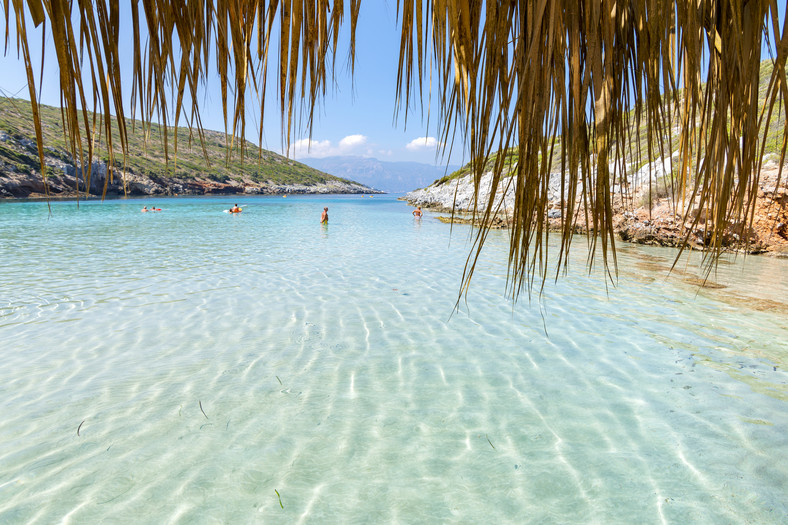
(391, 177)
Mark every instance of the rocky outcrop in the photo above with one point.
(20, 177)
(63, 183)
(458, 195)
(637, 218)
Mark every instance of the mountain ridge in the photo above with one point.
(389, 176)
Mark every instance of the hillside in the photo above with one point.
(646, 207)
(638, 167)
(147, 172)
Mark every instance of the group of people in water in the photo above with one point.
(323, 218)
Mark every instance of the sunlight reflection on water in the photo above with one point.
(209, 360)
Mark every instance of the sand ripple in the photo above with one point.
(196, 379)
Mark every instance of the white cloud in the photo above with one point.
(350, 145)
(311, 148)
(422, 143)
(351, 141)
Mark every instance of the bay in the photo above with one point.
(193, 366)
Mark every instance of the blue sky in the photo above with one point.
(358, 118)
(355, 118)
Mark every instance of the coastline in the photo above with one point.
(162, 338)
(660, 223)
(214, 168)
(62, 186)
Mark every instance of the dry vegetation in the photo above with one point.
(509, 76)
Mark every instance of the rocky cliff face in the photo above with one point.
(22, 179)
(458, 195)
(639, 219)
(32, 185)
(64, 184)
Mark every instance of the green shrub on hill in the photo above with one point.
(146, 152)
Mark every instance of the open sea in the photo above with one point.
(193, 366)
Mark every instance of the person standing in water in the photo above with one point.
(417, 212)
(324, 217)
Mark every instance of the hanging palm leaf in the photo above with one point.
(530, 77)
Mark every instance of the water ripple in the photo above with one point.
(231, 361)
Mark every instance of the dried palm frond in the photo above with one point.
(527, 76)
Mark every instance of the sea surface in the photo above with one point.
(192, 366)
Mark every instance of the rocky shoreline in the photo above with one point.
(62, 184)
(656, 223)
(20, 175)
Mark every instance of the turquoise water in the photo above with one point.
(191, 366)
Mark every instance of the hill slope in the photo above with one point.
(147, 171)
(647, 206)
(638, 166)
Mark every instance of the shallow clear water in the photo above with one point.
(192, 366)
